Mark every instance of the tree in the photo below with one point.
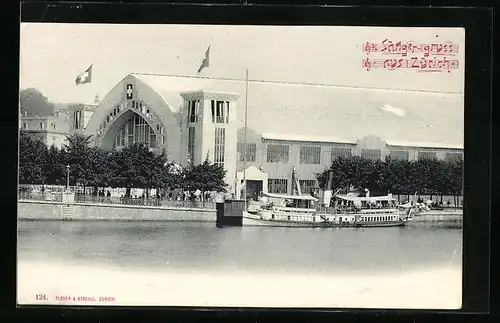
(427, 176)
(206, 177)
(33, 103)
(32, 160)
(77, 155)
(158, 176)
(395, 171)
(100, 168)
(354, 171)
(174, 176)
(55, 166)
(456, 168)
(135, 168)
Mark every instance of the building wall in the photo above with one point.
(206, 130)
(85, 112)
(49, 138)
(152, 99)
(49, 130)
(308, 171)
(57, 139)
(39, 123)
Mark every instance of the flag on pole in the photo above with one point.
(206, 60)
(85, 77)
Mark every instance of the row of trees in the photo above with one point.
(132, 167)
(426, 177)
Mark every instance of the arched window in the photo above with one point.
(136, 131)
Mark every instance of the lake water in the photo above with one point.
(189, 263)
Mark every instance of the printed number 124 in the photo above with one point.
(41, 297)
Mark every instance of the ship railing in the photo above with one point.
(326, 210)
(292, 209)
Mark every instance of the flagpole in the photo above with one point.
(245, 143)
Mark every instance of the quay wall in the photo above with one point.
(42, 210)
(438, 217)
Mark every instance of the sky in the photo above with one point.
(53, 55)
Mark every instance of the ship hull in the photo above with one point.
(256, 220)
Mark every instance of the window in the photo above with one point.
(152, 139)
(341, 152)
(310, 154)
(277, 153)
(400, 154)
(372, 154)
(218, 113)
(194, 111)
(219, 117)
(426, 155)
(279, 186)
(307, 186)
(136, 130)
(78, 115)
(191, 143)
(453, 156)
(212, 106)
(251, 151)
(220, 139)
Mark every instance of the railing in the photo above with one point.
(38, 196)
(219, 119)
(81, 198)
(194, 118)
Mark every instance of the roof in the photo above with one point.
(424, 144)
(295, 137)
(364, 198)
(27, 118)
(171, 88)
(345, 114)
(331, 139)
(292, 197)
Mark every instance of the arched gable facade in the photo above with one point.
(134, 112)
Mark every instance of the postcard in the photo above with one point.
(240, 166)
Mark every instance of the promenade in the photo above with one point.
(56, 197)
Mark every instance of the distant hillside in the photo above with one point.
(33, 103)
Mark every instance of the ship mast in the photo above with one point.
(245, 143)
(295, 182)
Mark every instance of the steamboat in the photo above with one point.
(348, 210)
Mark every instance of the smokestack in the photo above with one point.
(330, 179)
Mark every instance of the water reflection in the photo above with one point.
(201, 246)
